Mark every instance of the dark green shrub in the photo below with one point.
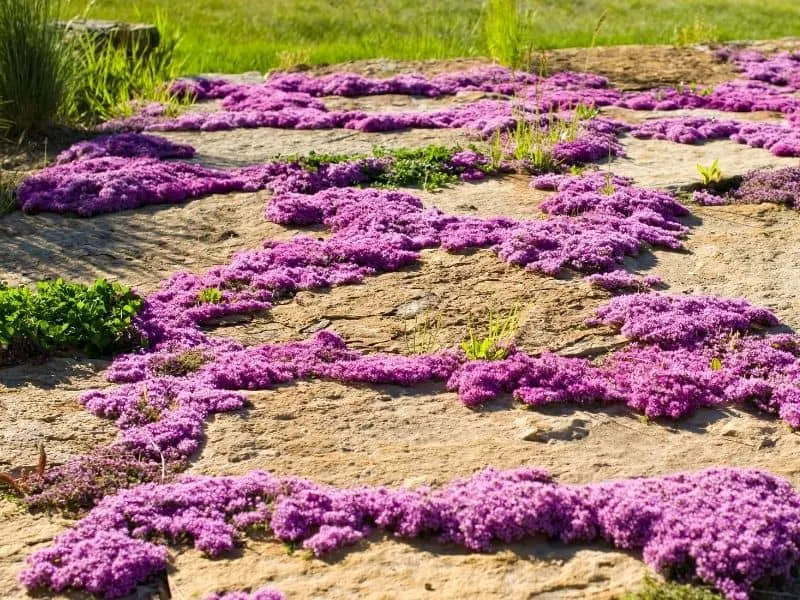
(35, 73)
(58, 316)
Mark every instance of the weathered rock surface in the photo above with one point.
(361, 434)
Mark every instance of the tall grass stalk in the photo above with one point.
(534, 137)
(112, 81)
(35, 70)
(508, 31)
(8, 192)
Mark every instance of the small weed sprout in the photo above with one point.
(608, 187)
(585, 112)
(700, 91)
(209, 295)
(496, 344)
(710, 174)
(19, 485)
(496, 151)
(423, 337)
(577, 169)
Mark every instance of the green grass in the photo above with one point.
(110, 80)
(226, 36)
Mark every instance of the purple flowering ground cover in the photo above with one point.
(730, 528)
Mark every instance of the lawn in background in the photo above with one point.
(246, 35)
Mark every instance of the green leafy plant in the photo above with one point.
(653, 589)
(496, 342)
(112, 81)
(209, 295)
(58, 316)
(428, 168)
(314, 160)
(35, 71)
(706, 90)
(710, 174)
(577, 169)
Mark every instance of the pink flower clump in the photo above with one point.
(728, 527)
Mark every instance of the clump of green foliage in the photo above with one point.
(533, 138)
(314, 160)
(711, 174)
(209, 295)
(697, 32)
(35, 71)
(427, 168)
(111, 81)
(182, 364)
(657, 590)
(58, 316)
(495, 344)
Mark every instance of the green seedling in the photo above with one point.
(710, 174)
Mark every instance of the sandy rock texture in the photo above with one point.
(387, 435)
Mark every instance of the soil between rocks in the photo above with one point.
(351, 435)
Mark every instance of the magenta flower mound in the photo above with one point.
(780, 140)
(91, 186)
(708, 198)
(259, 594)
(112, 183)
(776, 186)
(126, 145)
(779, 186)
(728, 527)
(782, 69)
(623, 281)
(668, 320)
